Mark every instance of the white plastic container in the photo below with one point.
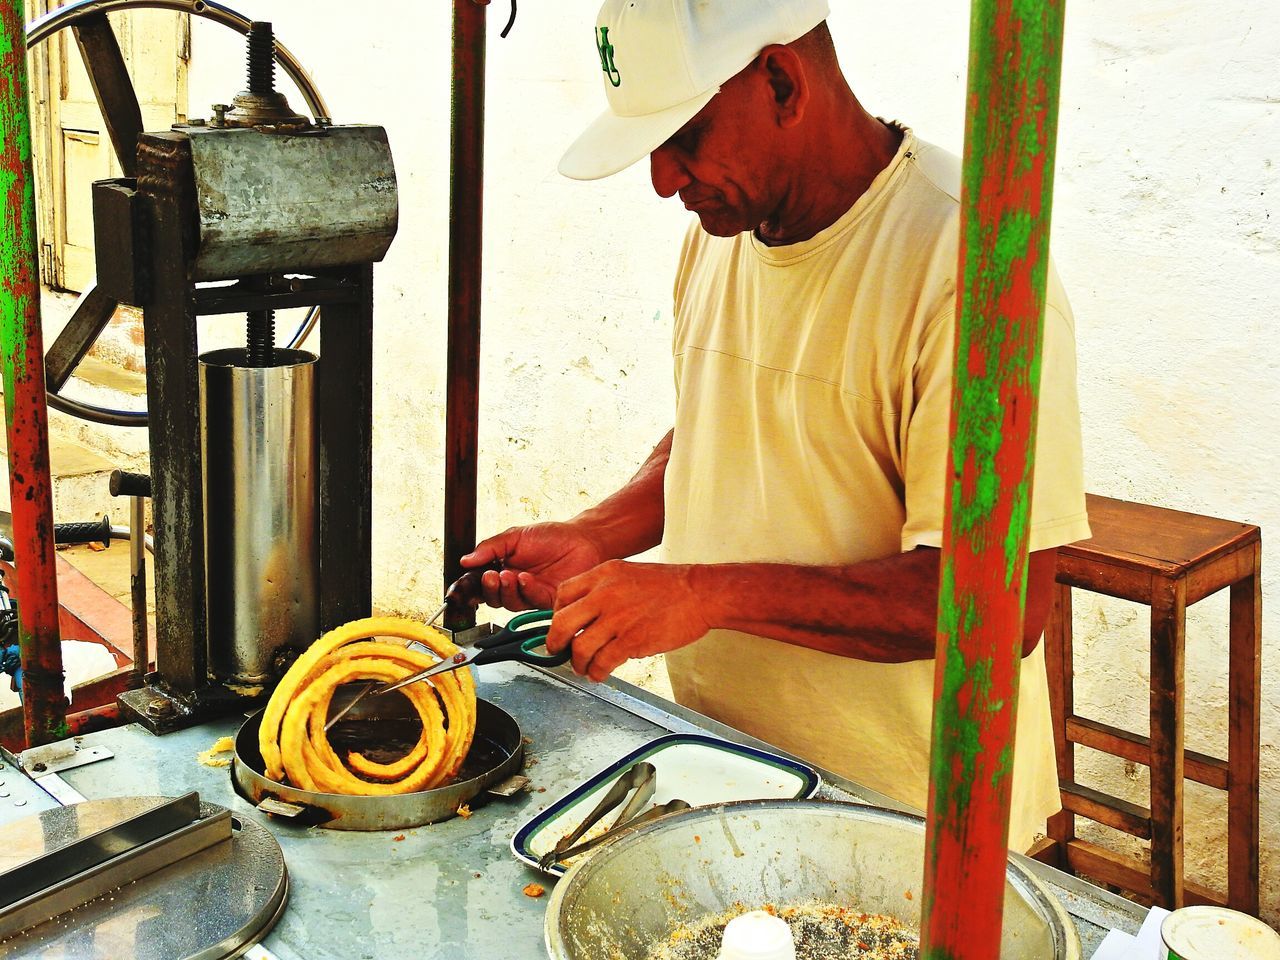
(757, 936)
(1216, 933)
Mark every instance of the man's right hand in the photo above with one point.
(535, 560)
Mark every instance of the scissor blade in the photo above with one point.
(347, 709)
(460, 659)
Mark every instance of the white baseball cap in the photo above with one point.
(661, 61)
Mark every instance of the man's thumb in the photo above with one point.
(486, 552)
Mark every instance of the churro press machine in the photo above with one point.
(260, 454)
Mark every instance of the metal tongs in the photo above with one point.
(653, 813)
(641, 777)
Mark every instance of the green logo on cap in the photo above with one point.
(606, 56)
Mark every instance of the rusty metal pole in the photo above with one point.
(466, 214)
(138, 589)
(1015, 61)
(26, 415)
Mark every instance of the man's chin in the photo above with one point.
(719, 225)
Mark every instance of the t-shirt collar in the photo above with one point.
(878, 188)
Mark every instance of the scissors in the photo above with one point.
(516, 641)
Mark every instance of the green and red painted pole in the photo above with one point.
(26, 413)
(1015, 61)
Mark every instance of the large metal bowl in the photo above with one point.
(636, 891)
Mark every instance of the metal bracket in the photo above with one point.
(509, 787)
(59, 789)
(63, 755)
(468, 637)
(119, 241)
(280, 808)
(162, 711)
(20, 796)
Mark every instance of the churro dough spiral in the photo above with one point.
(292, 739)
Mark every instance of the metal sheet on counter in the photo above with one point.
(206, 906)
(20, 797)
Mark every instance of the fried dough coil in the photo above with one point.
(292, 738)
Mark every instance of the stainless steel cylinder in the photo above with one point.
(262, 544)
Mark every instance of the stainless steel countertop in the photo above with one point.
(452, 890)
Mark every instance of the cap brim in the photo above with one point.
(613, 143)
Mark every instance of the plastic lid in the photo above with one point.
(1215, 933)
(757, 936)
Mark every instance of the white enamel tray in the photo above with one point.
(698, 769)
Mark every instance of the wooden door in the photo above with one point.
(71, 145)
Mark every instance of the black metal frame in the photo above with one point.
(178, 693)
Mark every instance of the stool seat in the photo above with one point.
(1167, 560)
(1135, 545)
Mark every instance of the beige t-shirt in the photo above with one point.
(813, 401)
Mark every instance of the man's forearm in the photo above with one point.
(881, 610)
(630, 521)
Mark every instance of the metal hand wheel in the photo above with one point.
(123, 120)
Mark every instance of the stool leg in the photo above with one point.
(1060, 663)
(1243, 746)
(1168, 647)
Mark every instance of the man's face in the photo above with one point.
(718, 162)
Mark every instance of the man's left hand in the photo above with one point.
(620, 610)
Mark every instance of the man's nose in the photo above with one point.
(667, 172)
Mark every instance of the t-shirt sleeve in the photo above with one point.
(1058, 505)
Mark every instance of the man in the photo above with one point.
(799, 499)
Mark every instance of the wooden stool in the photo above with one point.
(1167, 560)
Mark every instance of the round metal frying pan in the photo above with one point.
(496, 754)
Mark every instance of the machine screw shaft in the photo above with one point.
(262, 58)
(260, 338)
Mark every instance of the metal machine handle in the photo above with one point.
(89, 532)
(126, 484)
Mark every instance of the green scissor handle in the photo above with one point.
(514, 642)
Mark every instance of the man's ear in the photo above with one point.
(788, 83)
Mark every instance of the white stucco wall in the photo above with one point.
(1163, 233)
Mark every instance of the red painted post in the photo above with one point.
(26, 414)
(1015, 63)
(466, 232)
